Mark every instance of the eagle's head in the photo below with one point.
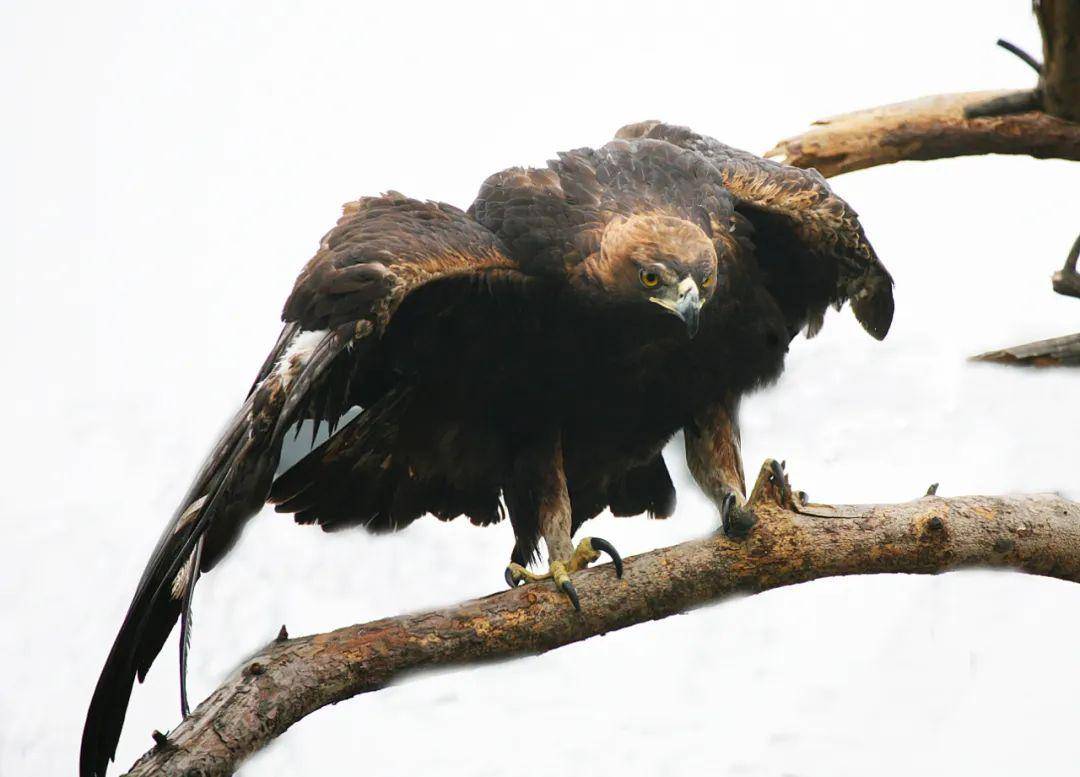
(657, 260)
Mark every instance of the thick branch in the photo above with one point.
(1059, 23)
(1055, 352)
(927, 128)
(291, 678)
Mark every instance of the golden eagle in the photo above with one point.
(529, 357)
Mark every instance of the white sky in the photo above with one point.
(166, 169)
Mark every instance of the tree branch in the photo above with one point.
(1043, 122)
(1055, 352)
(1059, 82)
(1026, 58)
(928, 128)
(1067, 280)
(291, 678)
(1008, 103)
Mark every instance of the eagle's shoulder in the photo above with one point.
(381, 248)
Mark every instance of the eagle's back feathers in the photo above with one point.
(553, 218)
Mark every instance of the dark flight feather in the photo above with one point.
(382, 249)
(186, 624)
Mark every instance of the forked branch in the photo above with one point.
(1042, 122)
(291, 678)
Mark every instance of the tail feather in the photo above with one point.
(230, 487)
(644, 489)
(352, 478)
(192, 577)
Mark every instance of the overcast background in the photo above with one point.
(166, 169)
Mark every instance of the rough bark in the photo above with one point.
(927, 128)
(1055, 352)
(791, 544)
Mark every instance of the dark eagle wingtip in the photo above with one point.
(874, 307)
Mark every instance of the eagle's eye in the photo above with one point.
(707, 281)
(649, 279)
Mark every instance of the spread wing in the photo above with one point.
(382, 250)
(809, 242)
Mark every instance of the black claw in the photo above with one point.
(725, 513)
(511, 581)
(603, 546)
(570, 591)
(781, 481)
(736, 522)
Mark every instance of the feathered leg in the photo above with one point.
(539, 473)
(714, 457)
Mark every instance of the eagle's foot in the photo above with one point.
(587, 551)
(736, 519)
(516, 574)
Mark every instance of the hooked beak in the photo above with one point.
(685, 302)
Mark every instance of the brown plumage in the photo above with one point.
(796, 215)
(529, 357)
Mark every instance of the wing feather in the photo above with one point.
(382, 249)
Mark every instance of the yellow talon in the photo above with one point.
(559, 574)
(517, 574)
(587, 551)
(584, 554)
